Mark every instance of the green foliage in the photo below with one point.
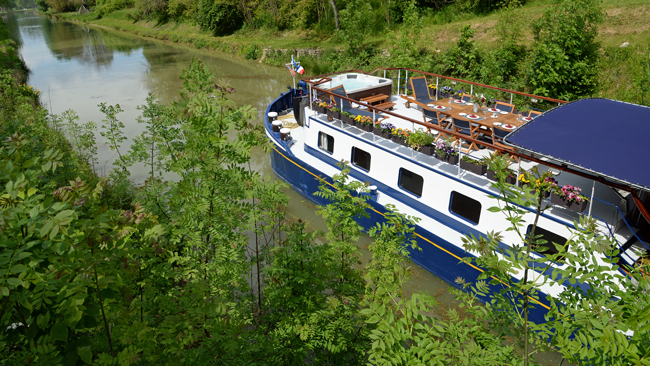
(603, 325)
(104, 7)
(463, 58)
(355, 27)
(485, 6)
(565, 53)
(420, 138)
(220, 18)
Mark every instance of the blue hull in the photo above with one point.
(438, 256)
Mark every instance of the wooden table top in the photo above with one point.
(505, 119)
(374, 98)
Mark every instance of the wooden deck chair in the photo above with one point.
(497, 139)
(435, 118)
(503, 106)
(421, 94)
(466, 97)
(345, 105)
(466, 128)
(533, 114)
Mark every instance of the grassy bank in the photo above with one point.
(623, 72)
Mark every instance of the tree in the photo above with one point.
(565, 52)
(604, 321)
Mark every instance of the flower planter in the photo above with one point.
(346, 119)
(318, 109)
(366, 127)
(386, 135)
(532, 189)
(571, 205)
(509, 179)
(428, 149)
(474, 168)
(451, 159)
(397, 139)
(376, 131)
(331, 115)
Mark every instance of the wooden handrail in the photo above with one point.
(561, 167)
(448, 78)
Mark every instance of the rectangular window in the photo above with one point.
(326, 142)
(549, 237)
(411, 182)
(361, 158)
(465, 207)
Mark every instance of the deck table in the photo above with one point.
(380, 99)
(488, 122)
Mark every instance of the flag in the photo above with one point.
(293, 73)
(296, 66)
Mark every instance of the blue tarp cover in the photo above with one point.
(606, 136)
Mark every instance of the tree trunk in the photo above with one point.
(336, 14)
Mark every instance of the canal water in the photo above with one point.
(78, 67)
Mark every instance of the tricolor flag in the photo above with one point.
(293, 73)
(297, 66)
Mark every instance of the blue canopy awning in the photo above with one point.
(605, 137)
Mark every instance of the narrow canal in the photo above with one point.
(78, 67)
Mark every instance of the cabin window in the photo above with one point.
(411, 182)
(361, 158)
(550, 238)
(326, 142)
(465, 207)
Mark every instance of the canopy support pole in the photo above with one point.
(591, 199)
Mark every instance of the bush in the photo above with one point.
(565, 55)
(219, 18)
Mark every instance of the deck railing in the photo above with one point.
(561, 167)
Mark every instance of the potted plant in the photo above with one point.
(347, 117)
(386, 129)
(510, 178)
(478, 100)
(421, 141)
(399, 136)
(432, 88)
(376, 128)
(536, 185)
(364, 122)
(447, 91)
(569, 197)
(319, 106)
(333, 112)
(496, 162)
(446, 152)
(475, 166)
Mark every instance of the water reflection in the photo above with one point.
(78, 67)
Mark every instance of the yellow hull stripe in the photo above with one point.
(418, 235)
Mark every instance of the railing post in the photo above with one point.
(384, 74)
(518, 170)
(399, 78)
(460, 154)
(437, 88)
(311, 98)
(406, 80)
(471, 89)
(511, 95)
(591, 199)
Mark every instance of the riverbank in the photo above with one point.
(622, 71)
